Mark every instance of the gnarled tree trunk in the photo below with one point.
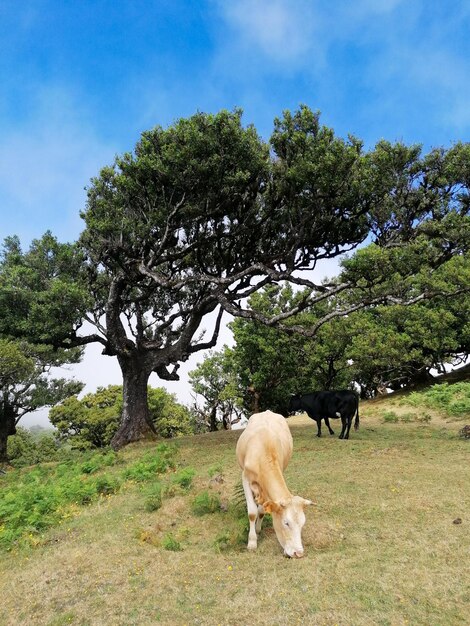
(7, 428)
(135, 420)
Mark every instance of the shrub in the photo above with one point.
(98, 461)
(206, 503)
(390, 416)
(25, 449)
(184, 478)
(35, 500)
(453, 400)
(107, 485)
(153, 463)
(169, 542)
(153, 499)
(214, 470)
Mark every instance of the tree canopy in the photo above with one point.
(383, 346)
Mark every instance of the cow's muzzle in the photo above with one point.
(298, 554)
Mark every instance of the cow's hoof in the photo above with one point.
(251, 547)
(332, 432)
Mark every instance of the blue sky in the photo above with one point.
(79, 81)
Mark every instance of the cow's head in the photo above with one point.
(288, 520)
(294, 404)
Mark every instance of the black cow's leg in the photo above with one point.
(343, 427)
(349, 427)
(327, 422)
(318, 421)
(319, 427)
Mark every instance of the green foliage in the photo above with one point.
(453, 400)
(152, 464)
(43, 294)
(205, 503)
(216, 380)
(213, 470)
(153, 498)
(92, 421)
(170, 418)
(24, 449)
(107, 485)
(268, 362)
(184, 478)
(96, 462)
(25, 385)
(47, 495)
(169, 542)
(389, 346)
(44, 496)
(393, 418)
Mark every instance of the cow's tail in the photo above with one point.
(356, 421)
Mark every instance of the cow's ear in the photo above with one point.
(303, 501)
(269, 507)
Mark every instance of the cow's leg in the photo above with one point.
(259, 519)
(318, 420)
(252, 508)
(344, 423)
(349, 420)
(327, 422)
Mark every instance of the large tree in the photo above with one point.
(197, 219)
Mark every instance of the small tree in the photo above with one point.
(216, 381)
(25, 384)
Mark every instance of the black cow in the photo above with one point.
(328, 404)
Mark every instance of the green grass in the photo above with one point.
(381, 543)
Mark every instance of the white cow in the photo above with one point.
(263, 452)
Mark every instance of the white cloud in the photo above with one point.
(283, 31)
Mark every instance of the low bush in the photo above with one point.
(26, 449)
(184, 478)
(153, 498)
(452, 400)
(169, 542)
(98, 461)
(390, 417)
(43, 496)
(153, 463)
(206, 503)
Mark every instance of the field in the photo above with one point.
(387, 542)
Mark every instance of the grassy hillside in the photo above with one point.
(154, 535)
